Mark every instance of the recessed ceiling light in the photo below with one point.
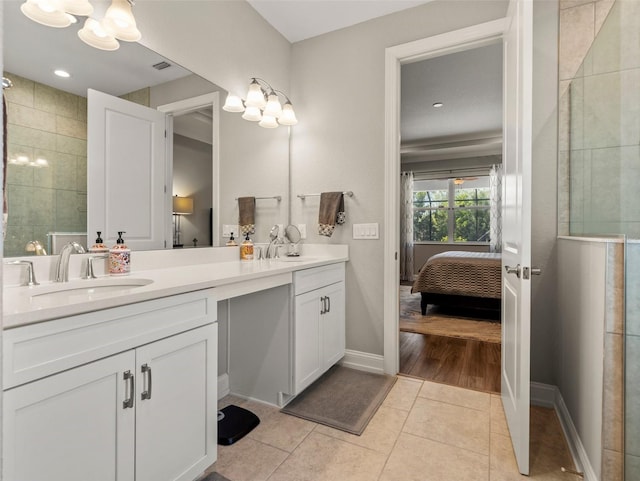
(437, 105)
(62, 73)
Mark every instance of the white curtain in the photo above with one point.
(495, 233)
(406, 226)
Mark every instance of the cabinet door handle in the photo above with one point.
(322, 306)
(128, 402)
(328, 304)
(146, 371)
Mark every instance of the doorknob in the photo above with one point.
(513, 270)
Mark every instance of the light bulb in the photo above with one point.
(273, 107)
(120, 23)
(252, 114)
(268, 122)
(288, 116)
(46, 12)
(255, 96)
(233, 103)
(93, 34)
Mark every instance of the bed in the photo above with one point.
(470, 279)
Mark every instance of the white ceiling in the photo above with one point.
(301, 19)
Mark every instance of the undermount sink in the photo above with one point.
(87, 289)
(295, 259)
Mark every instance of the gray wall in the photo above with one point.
(338, 87)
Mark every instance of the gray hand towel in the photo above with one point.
(247, 215)
(331, 212)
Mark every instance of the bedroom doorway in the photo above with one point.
(451, 152)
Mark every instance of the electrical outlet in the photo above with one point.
(303, 230)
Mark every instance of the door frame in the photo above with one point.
(182, 107)
(436, 46)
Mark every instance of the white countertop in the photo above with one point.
(21, 308)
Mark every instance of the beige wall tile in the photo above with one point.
(26, 136)
(632, 308)
(29, 117)
(576, 36)
(22, 91)
(418, 459)
(618, 44)
(612, 465)
(631, 466)
(612, 415)
(614, 290)
(70, 145)
(564, 4)
(603, 7)
(71, 127)
(576, 109)
(456, 425)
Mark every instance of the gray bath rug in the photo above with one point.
(342, 398)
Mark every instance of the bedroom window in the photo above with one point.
(451, 210)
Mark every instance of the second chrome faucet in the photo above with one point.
(62, 267)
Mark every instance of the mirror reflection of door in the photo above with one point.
(192, 174)
(126, 172)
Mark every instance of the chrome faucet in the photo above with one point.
(62, 267)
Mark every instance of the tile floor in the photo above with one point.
(423, 431)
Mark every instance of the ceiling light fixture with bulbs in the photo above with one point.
(262, 105)
(118, 22)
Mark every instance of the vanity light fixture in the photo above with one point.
(118, 22)
(262, 105)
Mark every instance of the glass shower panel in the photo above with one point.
(603, 144)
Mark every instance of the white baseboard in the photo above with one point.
(223, 385)
(363, 361)
(549, 396)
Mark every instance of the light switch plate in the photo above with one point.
(366, 231)
(227, 229)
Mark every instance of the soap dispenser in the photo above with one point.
(231, 242)
(246, 249)
(99, 246)
(119, 258)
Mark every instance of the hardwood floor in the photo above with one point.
(460, 362)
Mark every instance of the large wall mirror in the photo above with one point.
(47, 136)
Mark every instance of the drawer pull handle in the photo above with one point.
(146, 394)
(128, 402)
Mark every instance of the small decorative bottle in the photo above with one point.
(246, 249)
(231, 242)
(99, 246)
(119, 258)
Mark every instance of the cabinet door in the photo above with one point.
(308, 354)
(333, 324)
(72, 426)
(176, 406)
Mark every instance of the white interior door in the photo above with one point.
(126, 166)
(516, 228)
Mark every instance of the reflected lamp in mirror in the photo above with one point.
(262, 105)
(181, 206)
(118, 22)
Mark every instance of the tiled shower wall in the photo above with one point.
(598, 175)
(599, 163)
(43, 122)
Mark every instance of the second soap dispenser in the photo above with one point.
(119, 258)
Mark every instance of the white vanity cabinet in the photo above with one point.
(127, 393)
(319, 322)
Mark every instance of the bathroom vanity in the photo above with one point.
(118, 380)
